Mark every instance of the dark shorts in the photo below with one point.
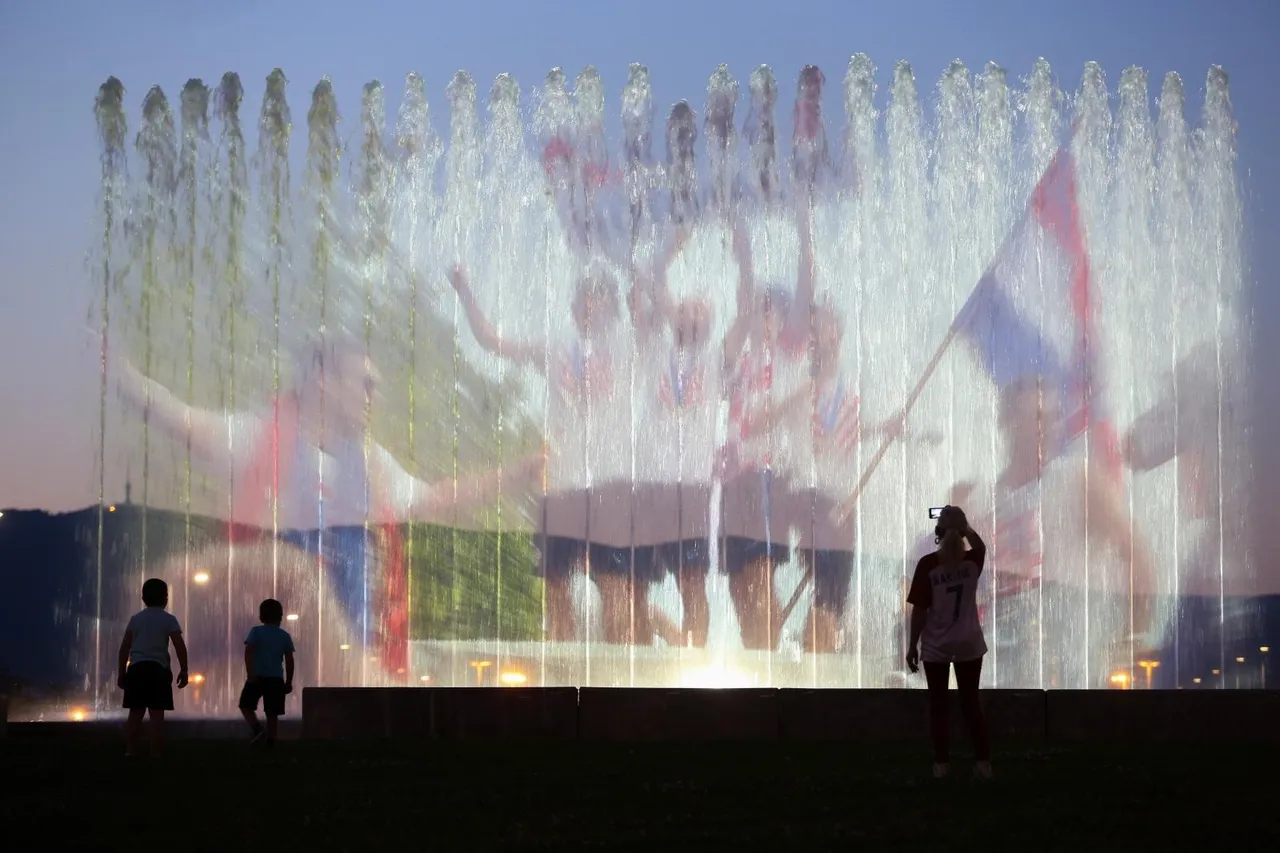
(148, 685)
(269, 690)
(740, 551)
(691, 555)
(563, 556)
(832, 577)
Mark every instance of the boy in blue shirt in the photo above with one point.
(268, 663)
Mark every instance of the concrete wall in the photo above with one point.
(754, 714)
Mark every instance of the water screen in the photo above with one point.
(501, 390)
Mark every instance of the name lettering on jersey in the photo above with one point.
(941, 577)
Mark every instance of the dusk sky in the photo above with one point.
(54, 55)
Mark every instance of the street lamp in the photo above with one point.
(1238, 660)
(1148, 665)
(480, 666)
(1264, 650)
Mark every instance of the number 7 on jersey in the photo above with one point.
(958, 591)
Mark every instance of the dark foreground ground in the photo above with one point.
(81, 793)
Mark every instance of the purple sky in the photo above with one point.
(53, 56)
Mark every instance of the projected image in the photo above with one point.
(535, 404)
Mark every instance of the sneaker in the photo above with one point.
(982, 769)
(940, 771)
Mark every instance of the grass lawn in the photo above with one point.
(64, 793)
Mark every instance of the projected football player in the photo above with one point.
(586, 517)
(307, 470)
(1182, 426)
(1049, 484)
(680, 381)
(767, 372)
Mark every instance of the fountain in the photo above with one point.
(568, 383)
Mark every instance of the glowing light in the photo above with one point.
(1120, 679)
(1217, 672)
(512, 678)
(79, 715)
(426, 679)
(111, 508)
(292, 617)
(400, 671)
(200, 577)
(1, 515)
(197, 678)
(715, 678)
(345, 647)
(1196, 680)
(1264, 649)
(480, 666)
(1239, 660)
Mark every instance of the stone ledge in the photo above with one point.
(607, 713)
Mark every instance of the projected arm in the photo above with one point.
(520, 352)
(208, 431)
(801, 315)
(736, 337)
(650, 299)
(438, 502)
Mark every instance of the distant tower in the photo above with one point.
(128, 492)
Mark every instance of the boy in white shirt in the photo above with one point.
(144, 673)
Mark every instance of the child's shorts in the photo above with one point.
(148, 685)
(269, 690)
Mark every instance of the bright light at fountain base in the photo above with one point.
(715, 678)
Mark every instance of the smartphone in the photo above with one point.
(936, 511)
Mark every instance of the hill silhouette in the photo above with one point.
(51, 587)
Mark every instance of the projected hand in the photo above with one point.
(182, 679)
(913, 659)
(934, 438)
(460, 281)
(896, 426)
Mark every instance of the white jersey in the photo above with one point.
(590, 414)
(766, 376)
(334, 487)
(953, 631)
(677, 418)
